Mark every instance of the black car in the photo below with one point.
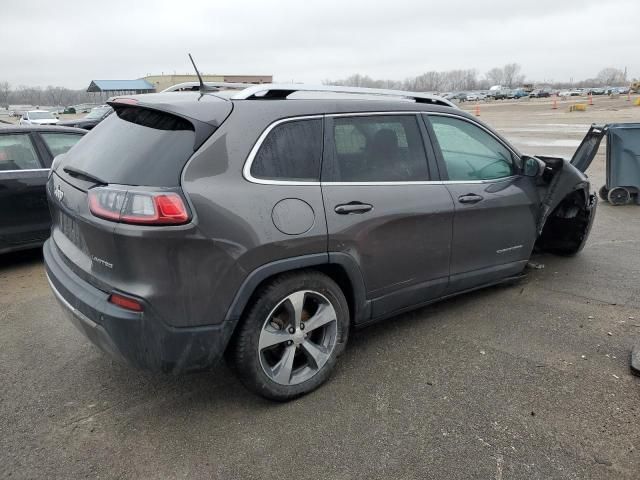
(26, 154)
(540, 94)
(95, 116)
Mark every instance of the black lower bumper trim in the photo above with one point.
(139, 339)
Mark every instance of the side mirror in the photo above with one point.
(533, 167)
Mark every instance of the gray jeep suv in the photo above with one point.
(265, 224)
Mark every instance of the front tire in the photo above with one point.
(291, 336)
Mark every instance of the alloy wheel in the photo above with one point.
(298, 337)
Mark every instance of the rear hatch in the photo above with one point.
(129, 168)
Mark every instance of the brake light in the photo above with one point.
(138, 207)
(127, 101)
(125, 302)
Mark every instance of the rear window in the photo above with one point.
(60, 143)
(292, 151)
(136, 146)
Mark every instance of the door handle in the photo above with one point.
(470, 198)
(353, 207)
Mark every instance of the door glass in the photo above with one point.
(469, 152)
(17, 153)
(60, 143)
(377, 148)
(292, 151)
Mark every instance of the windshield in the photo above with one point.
(41, 116)
(98, 112)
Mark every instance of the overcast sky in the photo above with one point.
(69, 43)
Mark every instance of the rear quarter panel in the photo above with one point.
(236, 215)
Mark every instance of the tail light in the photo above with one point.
(138, 207)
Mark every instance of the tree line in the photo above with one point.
(51, 96)
(510, 76)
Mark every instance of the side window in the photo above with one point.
(17, 153)
(377, 148)
(60, 143)
(469, 152)
(291, 151)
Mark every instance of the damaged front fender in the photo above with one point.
(567, 208)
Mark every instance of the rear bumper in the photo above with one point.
(139, 339)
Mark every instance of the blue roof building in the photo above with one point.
(121, 86)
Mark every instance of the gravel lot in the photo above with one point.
(525, 381)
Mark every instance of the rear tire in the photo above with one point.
(291, 336)
(619, 196)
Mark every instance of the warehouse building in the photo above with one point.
(103, 89)
(160, 82)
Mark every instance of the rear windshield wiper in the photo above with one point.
(76, 172)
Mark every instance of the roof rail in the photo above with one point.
(218, 85)
(283, 90)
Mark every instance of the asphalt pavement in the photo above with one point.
(525, 381)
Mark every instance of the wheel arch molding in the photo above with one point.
(339, 266)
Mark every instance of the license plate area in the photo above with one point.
(69, 227)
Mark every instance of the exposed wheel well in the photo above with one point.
(567, 228)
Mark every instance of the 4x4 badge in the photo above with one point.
(59, 194)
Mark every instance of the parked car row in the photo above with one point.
(497, 94)
(45, 117)
(95, 116)
(500, 93)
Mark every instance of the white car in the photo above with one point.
(38, 117)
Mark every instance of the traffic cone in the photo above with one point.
(477, 112)
(590, 98)
(555, 104)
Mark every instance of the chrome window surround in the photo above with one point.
(25, 170)
(246, 170)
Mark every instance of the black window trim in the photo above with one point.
(441, 165)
